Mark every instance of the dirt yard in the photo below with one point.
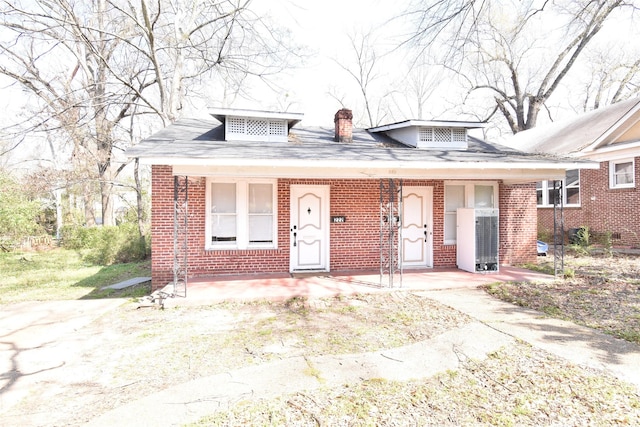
(130, 353)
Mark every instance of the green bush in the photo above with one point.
(106, 245)
(18, 213)
(583, 237)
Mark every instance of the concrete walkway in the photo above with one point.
(193, 400)
(497, 324)
(578, 344)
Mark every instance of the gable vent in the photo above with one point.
(436, 137)
(255, 129)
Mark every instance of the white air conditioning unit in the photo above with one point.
(477, 240)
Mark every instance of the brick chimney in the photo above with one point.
(344, 126)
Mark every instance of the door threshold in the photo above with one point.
(308, 273)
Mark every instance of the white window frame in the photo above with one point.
(469, 201)
(612, 165)
(242, 214)
(546, 186)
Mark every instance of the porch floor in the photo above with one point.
(210, 290)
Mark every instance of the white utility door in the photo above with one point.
(309, 227)
(417, 233)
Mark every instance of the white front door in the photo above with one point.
(309, 228)
(417, 233)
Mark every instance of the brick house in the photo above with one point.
(266, 194)
(607, 200)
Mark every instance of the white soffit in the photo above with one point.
(510, 176)
(613, 152)
(509, 172)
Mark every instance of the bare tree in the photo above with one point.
(93, 64)
(59, 55)
(414, 90)
(365, 68)
(518, 52)
(182, 44)
(610, 77)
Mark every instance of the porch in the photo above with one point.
(211, 290)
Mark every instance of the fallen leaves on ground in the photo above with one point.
(604, 294)
(519, 385)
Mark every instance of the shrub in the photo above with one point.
(580, 240)
(569, 273)
(18, 213)
(583, 237)
(106, 245)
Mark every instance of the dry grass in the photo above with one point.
(128, 354)
(604, 294)
(516, 386)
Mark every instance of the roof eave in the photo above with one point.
(635, 109)
(371, 164)
(425, 123)
(221, 113)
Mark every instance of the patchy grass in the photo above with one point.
(127, 354)
(515, 386)
(61, 274)
(602, 293)
(136, 352)
(232, 335)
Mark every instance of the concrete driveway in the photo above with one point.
(39, 337)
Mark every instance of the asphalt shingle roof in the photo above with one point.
(574, 135)
(204, 139)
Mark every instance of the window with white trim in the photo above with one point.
(465, 194)
(241, 214)
(570, 190)
(622, 173)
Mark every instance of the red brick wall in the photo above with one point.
(602, 209)
(161, 226)
(354, 244)
(518, 227)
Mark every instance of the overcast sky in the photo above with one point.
(324, 27)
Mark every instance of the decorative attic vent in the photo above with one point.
(255, 129)
(434, 137)
(442, 135)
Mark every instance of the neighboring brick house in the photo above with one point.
(607, 200)
(268, 195)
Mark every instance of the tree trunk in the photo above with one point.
(87, 201)
(139, 203)
(106, 189)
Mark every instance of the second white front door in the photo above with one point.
(309, 228)
(417, 233)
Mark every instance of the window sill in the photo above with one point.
(623, 187)
(235, 248)
(564, 207)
